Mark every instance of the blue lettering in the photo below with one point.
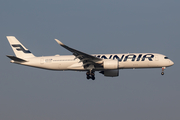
(131, 56)
(110, 56)
(149, 58)
(99, 56)
(104, 57)
(116, 57)
(140, 55)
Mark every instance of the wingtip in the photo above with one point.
(10, 36)
(59, 42)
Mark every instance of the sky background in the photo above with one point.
(91, 26)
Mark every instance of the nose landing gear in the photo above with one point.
(163, 68)
(162, 73)
(90, 75)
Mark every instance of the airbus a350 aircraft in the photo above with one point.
(107, 64)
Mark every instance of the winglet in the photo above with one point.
(59, 42)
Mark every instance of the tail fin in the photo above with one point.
(19, 50)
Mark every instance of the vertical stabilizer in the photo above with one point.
(19, 50)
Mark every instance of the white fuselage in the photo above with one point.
(107, 64)
(126, 61)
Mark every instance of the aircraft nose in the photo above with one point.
(171, 62)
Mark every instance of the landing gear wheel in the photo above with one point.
(88, 73)
(88, 77)
(163, 68)
(162, 73)
(93, 78)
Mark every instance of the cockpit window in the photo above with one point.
(166, 58)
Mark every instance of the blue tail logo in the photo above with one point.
(20, 48)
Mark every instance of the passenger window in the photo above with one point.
(166, 58)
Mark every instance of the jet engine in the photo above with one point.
(110, 64)
(110, 73)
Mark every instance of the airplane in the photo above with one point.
(106, 64)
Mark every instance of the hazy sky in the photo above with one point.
(91, 26)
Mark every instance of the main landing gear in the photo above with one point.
(163, 68)
(90, 75)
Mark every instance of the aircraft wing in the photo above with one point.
(84, 57)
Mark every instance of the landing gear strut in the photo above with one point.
(162, 73)
(90, 75)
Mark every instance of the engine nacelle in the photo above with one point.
(110, 73)
(110, 64)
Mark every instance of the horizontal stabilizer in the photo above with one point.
(16, 58)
